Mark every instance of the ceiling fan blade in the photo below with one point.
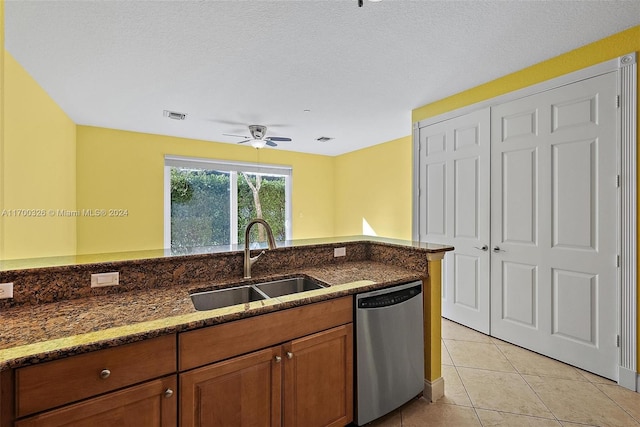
(279, 138)
(237, 136)
(270, 143)
(227, 122)
(246, 140)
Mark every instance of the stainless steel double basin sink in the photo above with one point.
(219, 298)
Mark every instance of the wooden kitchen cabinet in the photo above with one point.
(318, 379)
(152, 404)
(292, 367)
(306, 381)
(243, 391)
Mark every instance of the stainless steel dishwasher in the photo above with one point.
(389, 350)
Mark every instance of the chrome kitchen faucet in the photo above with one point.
(248, 261)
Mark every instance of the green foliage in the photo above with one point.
(181, 188)
(200, 207)
(273, 206)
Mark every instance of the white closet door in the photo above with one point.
(554, 205)
(454, 210)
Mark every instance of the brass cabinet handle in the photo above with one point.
(278, 359)
(289, 355)
(168, 393)
(105, 373)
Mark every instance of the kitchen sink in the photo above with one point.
(288, 286)
(225, 297)
(218, 298)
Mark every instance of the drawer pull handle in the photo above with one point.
(278, 359)
(289, 355)
(168, 393)
(104, 374)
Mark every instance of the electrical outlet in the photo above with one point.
(101, 280)
(340, 252)
(6, 290)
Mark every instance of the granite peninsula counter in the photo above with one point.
(56, 314)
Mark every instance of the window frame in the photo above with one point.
(231, 167)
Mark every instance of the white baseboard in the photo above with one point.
(434, 390)
(628, 378)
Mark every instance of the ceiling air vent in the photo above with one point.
(174, 115)
(324, 139)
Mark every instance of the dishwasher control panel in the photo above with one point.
(391, 298)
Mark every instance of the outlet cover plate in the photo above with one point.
(6, 290)
(340, 252)
(101, 280)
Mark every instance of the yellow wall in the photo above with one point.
(374, 185)
(39, 169)
(124, 170)
(594, 53)
(1, 128)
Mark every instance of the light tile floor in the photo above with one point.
(489, 382)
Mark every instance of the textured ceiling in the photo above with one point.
(226, 64)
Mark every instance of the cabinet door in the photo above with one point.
(151, 404)
(318, 379)
(243, 391)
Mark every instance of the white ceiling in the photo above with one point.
(119, 64)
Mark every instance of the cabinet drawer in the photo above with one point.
(215, 343)
(51, 384)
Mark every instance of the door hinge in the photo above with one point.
(617, 340)
(617, 101)
(617, 260)
(618, 181)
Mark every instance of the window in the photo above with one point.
(210, 202)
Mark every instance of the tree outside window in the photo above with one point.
(211, 207)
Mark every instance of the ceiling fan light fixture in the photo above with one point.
(258, 143)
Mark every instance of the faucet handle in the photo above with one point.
(252, 260)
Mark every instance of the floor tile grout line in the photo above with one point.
(525, 415)
(527, 383)
(473, 406)
(455, 367)
(615, 402)
(475, 411)
(508, 360)
(516, 372)
(584, 378)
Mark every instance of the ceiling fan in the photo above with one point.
(258, 139)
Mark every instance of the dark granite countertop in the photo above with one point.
(42, 332)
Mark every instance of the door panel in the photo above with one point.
(519, 196)
(435, 200)
(573, 204)
(574, 305)
(466, 198)
(466, 280)
(454, 206)
(554, 226)
(519, 293)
